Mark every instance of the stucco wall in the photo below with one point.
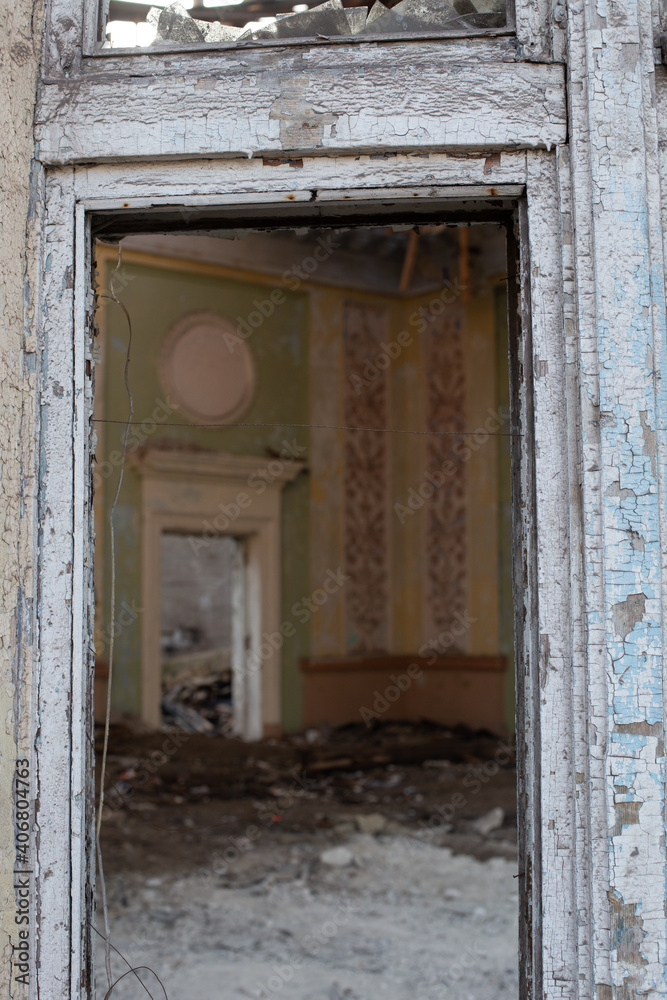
(20, 43)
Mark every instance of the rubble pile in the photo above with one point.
(317, 917)
(456, 787)
(200, 705)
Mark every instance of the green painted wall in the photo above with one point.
(157, 298)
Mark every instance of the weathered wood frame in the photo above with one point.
(593, 221)
(531, 22)
(379, 99)
(545, 464)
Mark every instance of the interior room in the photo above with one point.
(304, 673)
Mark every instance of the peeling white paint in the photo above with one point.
(462, 96)
(621, 317)
(126, 132)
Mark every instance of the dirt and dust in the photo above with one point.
(331, 866)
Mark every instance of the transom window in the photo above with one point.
(130, 23)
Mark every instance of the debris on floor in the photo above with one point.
(348, 864)
(455, 788)
(200, 705)
(375, 917)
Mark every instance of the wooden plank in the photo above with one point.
(108, 186)
(472, 192)
(620, 316)
(525, 593)
(550, 676)
(583, 763)
(365, 99)
(83, 604)
(491, 46)
(54, 613)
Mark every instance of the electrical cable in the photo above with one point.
(107, 717)
(132, 968)
(326, 427)
(135, 970)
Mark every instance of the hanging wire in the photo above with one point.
(132, 968)
(112, 629)
(325, 427)
(105, 909)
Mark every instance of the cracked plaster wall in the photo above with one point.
(20, 46)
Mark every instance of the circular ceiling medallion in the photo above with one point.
(206, 369)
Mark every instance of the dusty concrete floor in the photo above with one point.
(309, 882)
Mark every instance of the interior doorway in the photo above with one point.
(370, 406)
(197, 620)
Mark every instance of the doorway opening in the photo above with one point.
(197, 594)
(311, 780)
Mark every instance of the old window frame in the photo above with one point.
(72, 31)
(518, 24)
(552, 894)
(92, 31)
